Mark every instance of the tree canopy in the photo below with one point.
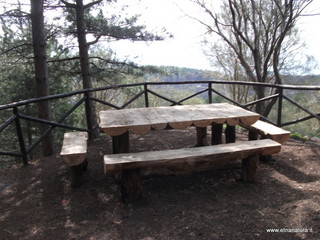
(254, 36)
(49, 41)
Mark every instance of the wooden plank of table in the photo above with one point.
(141, 120)
(136, 121)
(156, 121)
(113, 122)
(225, 113)
(117, 122)
(210, 112)
(176, 116)
(239, 113)
(200, 118)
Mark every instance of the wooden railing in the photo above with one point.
(145, 91)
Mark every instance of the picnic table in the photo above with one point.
(120, 123)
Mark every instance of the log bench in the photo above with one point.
(266, 130)
(74, 153)
(130, 164)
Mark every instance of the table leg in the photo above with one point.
(120, 144)
(201, 137)
(216, 131)
(252, 135)
(230, 133)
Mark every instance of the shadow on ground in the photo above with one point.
(37, 201)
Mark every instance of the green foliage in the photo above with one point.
(116, 27)
(298, 137)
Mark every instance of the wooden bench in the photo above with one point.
(74, 153)
(130, 164)
(266, 130)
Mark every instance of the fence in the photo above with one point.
(145, 90)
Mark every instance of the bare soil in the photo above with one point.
(37, 201)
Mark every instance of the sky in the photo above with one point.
(185, 50)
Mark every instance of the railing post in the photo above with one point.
(279, 116)
(146, 96)
(210, 92)
(20, 137)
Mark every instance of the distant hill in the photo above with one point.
(178, 74)
(301, 79)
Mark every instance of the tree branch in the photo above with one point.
(69, 5)
(95, 41)
(14, 48)
(89, 5)
(63, 59)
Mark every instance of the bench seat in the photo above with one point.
(129, 164)
(74, 148)
(74, 153)
(268, 130)
(114, 163)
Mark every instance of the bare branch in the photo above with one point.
(63, 60)
(89, 5)
(16, 47)
(95, 41)
(69, 5)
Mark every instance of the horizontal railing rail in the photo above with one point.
(146, 90)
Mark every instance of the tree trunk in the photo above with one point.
(259, 90)
(85, 68)
(41, 71)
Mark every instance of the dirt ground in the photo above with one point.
(37, 201)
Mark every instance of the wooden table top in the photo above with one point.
(142, 120)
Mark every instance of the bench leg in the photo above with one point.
(255, 136)
(249, 168)
(131, 185)
(230, 133)
(77, 172)
(201, 137)
(216, 137)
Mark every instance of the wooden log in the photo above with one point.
(187, 170)
(74, 148)
(190, 157)
(269, 131)
(233, 121)
(249, 168)
(201, 137)
(121, 144)
(131, 185)
(216, 133)
(230, 133)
